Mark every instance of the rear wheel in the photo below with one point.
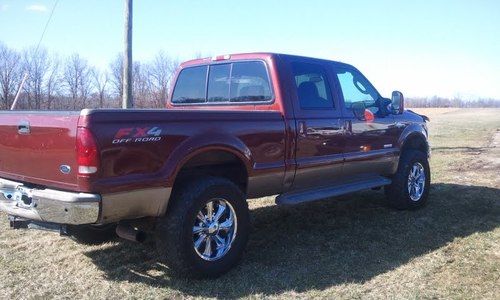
(206, 228)
(410, 185)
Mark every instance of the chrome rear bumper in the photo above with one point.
(48, 205)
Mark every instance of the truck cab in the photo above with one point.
(338, 127)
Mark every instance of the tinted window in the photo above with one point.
(218, 83)
(190, 85)
(230, 82)
(355, 88)
(312, 86)
(249, 82)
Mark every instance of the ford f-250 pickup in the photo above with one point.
(235, 127)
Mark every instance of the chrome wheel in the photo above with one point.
(214, 229)
(416, 181)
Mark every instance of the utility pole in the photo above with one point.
(127, 101)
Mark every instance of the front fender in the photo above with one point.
(411, 131)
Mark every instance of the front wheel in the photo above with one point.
(410, 185)
(205, 230)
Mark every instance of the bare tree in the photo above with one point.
(77, 79)
(85, 86)
(53, 82)
(10, 75)
(100, 81)
(116, 78)
(72, 83)
(141, 87)
(37, 65)
(161, 70)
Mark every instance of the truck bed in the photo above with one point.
(138, 148)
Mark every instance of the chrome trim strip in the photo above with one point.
(372, 154)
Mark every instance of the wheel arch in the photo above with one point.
(210, 161)
(414, 137)
(416, 141)
(218, 161)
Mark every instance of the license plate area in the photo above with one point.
(23, 197)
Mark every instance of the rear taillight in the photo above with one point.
(87, 154)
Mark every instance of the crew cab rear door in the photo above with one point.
(320, 140)
(370, 143)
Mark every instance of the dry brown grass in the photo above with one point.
(355, 247)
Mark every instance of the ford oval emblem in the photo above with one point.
(65, 169)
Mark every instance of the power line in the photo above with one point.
(25, 76)
(46, 25)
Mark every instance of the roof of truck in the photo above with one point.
(242, 56)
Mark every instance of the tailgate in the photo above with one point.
(39, 147)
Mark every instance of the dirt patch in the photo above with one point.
(494, 151)
(481, 162)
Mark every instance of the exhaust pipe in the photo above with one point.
(127, 232)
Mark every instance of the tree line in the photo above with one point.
(453, 102)
(71, 83)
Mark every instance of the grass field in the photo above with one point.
(355, 247)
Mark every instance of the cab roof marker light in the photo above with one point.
(221, 57)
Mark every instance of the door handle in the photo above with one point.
(302, 128)
(347, 127)
(23, 127)
(333, 129)
(329, 130)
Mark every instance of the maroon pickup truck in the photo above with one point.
(235, 127)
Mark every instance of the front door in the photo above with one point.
(320, 139)
(370, 142)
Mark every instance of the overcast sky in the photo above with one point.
(423, 48)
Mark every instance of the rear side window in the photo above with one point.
(238, 82)
(312, 85)
(191, 86)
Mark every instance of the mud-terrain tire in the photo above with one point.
(406, 190)
(182, 234)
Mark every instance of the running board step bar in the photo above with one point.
(331, 191)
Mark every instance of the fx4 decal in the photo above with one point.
(137, 135)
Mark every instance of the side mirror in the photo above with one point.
(397, 102)
(358, 108)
